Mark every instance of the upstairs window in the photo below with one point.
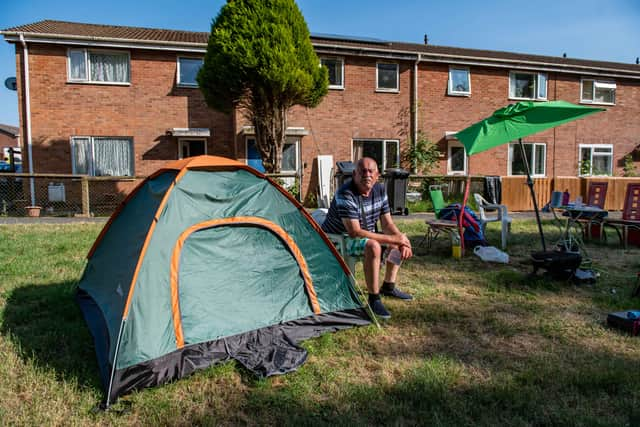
(188, 71)
(97, 66)
(336, 72)
(102, 156)
(387, 77)
(523, 85)
(459, 81)
(598, 92)
(536, 157)
(596, 159)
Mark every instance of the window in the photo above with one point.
(459, 81)
(457, 159)
(598, 92)
(192, 147)
(536, 157)
(96, 66)
(102, 156)
(290, 157)
(596, 159)
(336, 72)
(386, 152)
(188, 71)
(524, 85)
(387, 77)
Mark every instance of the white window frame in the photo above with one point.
(290, 140)
(87, 70)
(593, 153)
(538, 78)
(383, 89)
(532, 162)
(383, 142)
(183, 141)
(450, 146)
(340, 62)
(604, 84)
(179, 73)
(91, 160)
(451, 90)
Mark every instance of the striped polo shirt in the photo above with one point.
(347, 203)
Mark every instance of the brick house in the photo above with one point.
(9, 137)
(113, 100)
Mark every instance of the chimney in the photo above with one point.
(637, 60)
(564, 55)
(426, 39)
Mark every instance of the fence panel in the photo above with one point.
(80, 195)
(517, 196)
(62, 195)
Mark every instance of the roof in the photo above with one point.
(11, 130)
(62, 28)
(60, 31)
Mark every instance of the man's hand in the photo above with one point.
(404, 247)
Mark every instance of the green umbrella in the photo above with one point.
(516, 121)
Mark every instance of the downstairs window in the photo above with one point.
(102, 156)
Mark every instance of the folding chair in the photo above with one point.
(490, 212)
(596, 196)
(437, 225)
(630, 221)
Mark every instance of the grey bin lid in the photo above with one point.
(346, 168)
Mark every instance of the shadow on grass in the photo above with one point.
(589, 389)
(47, 325)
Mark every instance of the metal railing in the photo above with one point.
(23, 194)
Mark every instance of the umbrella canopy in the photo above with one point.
(514, 122)
(518, 120)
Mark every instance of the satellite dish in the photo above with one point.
(11, 83)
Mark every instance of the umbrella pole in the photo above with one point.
(533, 192)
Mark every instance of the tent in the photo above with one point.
(205, 261)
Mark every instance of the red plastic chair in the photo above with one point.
(592, 226)
(630, 222)
(597, 194)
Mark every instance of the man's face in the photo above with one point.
(366, 175)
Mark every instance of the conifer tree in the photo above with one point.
(260, 60)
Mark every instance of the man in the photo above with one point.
(355, 209)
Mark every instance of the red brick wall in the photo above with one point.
(7, 141)
(144, 110)
(152, 103)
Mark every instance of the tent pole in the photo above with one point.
(533, 192)
(113, 367)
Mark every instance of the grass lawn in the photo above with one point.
(481, 344)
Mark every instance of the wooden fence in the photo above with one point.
(515, 192)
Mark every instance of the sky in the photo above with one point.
(589, 29)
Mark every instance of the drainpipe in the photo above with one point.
(415, 110)
(27, 115)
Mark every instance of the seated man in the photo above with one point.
(355, 209)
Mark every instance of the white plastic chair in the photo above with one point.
(338, 240)
(490, 212)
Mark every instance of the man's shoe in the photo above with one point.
(396, 293)
(378, 308)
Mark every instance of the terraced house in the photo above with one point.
(114, 100)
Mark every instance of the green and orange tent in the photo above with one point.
(208, 260)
